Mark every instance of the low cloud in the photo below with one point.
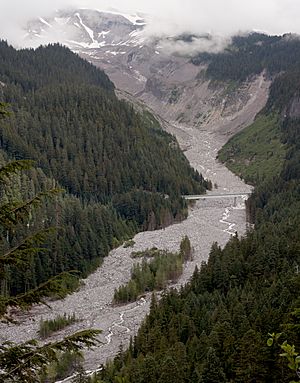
(218, 18)
(15, 14)
(194, 45)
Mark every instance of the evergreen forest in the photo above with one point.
(250, 55)
(119, 171)
(216, 329)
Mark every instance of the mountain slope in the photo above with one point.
(255, 153)
(252, 54)
(93, 144)
(85, 233)
(157, 70)
(258, 151)
(112, 161)
(87, 29)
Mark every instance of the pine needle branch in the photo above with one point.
(21, 253)
(3, 109)
(13, 213)
(24, 362)
(54, 286)
(14, 167)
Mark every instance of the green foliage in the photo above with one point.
(80, 134)
(147, 210)
(53, 287)
(121, 172)
(49, 326)
(186, 248)
(26, 362)
(150, 276)
(67, 364)
(212, 371)
(61, 66)
(154, 274)
(215, 328)
(19, 254)
(85, 231)
(293, 357)
(256, 153)
(251, 55)
(148, 253)
(3, 110)
(129, 243)
(289, 351)
(11, 168)
(65, 116)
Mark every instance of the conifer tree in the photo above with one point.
(212, 372)
(25, 362)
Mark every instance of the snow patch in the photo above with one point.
(94, 44)
(88, 30)
(86, 45)
(134, 33)
(45, 22)
(103, 34)
(114, 53)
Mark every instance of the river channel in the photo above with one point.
(209, 221)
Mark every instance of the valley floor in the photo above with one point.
(208, 221)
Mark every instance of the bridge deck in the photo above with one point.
(216, 196)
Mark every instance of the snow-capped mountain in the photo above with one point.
(149, 68)
(108, 39)
(87, 29)
(113, 40)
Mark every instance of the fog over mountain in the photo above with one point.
(171, 17)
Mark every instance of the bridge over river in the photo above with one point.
(216, 196)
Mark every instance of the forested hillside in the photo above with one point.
(257, 152)
(216, 329)
(250, 55)
(121, 173)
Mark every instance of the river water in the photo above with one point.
(208, 221)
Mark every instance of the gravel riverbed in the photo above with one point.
(208, 221)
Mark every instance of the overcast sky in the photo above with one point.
(218, 17)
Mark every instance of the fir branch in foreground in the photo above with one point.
(13, 213)
(3, 109)
(21, 252)
(54, 286)
(25, 362)
(14, 167)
